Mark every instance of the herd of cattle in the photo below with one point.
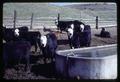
(18, 41)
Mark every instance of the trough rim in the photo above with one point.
(105, 46)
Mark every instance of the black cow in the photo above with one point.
(22, 34)
(48, 45)
(105, 33)
(85, 37)
(73, 37)
(33, 37)
(63, 25)
(8, 34)
(78, 26)
(16, 52)
(12, 34)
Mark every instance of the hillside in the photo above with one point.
(104, 11)
(93, 6)
(72, 11)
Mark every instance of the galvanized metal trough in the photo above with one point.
(88, 63)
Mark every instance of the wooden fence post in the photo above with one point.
(58, 17)
(80, 16)
(31, 21)
(14, 20)
(96, 22)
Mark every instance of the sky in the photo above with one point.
(63, 4)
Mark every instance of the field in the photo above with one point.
(105, 11)
(44, 13)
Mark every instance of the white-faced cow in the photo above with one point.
(48, 45)
(22, 34)
(12, 34)
(79, 35)
(31, 36)
(73, 37)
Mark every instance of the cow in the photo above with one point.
(22, 34)
(73, 37)
(85, 36)
(48, 45)
(79, 35)
(63, 25)
(12, 34)
(16, 52)
(104, 33)
(8, 34)
(74, 33)
(32, 36)
(78, 26)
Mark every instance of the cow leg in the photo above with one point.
(70, 43)
(27, 66)
(35, 48)
(60, 31)
(38, 42)
(52, 56)
(5, 61)
(44, 55)
(89, 44)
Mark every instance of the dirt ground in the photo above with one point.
(39, 70)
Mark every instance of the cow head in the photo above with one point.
(16, 32)
(82, 27)
(70, 32)
(56, 22)
(43, 40)
(103, 29)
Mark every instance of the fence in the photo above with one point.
(38, 22)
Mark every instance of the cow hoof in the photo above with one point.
(73, 48)
(28, 71)
(78, 77)
(48, 60)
